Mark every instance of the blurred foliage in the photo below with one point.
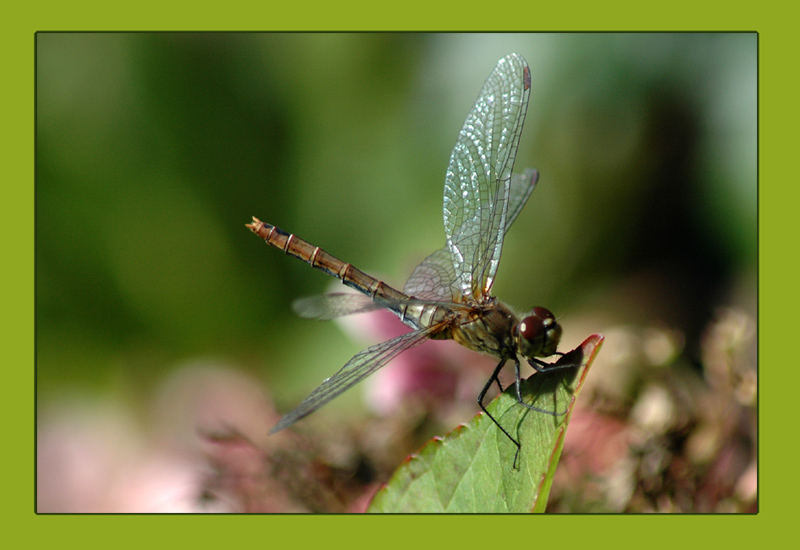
(153, 150)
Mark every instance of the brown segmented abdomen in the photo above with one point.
(411, 312)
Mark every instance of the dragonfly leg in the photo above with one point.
(483, 408)
(544, 366)
(517, 381)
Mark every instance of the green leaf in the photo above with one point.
(472, 468)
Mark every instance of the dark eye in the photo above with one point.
(538, 321)
(538, 333)
(531, 327)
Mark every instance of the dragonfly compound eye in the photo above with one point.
(539, 333)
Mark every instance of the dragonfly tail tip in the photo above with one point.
(254, 225)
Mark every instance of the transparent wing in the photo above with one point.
(478, 180)
(334, 304)
(435, 279)
(356, 369)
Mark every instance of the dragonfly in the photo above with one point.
(448, 295)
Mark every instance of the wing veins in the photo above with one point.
(356, 369)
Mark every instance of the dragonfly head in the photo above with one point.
(538, 333)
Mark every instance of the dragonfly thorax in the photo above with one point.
(538, 334)
(487, 328)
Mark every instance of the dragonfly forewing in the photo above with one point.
(478, 179)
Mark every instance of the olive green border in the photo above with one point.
(777, 241)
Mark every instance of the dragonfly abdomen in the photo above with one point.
(383, 294)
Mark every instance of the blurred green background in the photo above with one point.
(153, 150)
